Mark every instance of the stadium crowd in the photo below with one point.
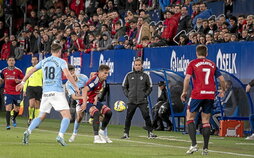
(118, 24)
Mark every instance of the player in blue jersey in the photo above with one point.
(80, 80)
(53, 92)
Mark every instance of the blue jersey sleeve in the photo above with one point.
(217, 72)
(38, 66)
(63, 64)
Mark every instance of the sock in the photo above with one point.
(96, 122)
(15, 114)
(64, 125)
(106, 119)
(36, 122)
(206, 134)
(36, 112)
(8, 117)
(192, 131)
(30, 113)
(76, 126)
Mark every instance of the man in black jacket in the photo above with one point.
(137, 85)
(161, 110)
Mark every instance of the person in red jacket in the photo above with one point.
(170, 26)
(6, 49)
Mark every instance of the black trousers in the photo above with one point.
(131, 111)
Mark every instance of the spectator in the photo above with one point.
(183, 40)
(77, 6)
(105, 42)
(195, 9)
(185, 21)
(143, 30)
(204, 13)
(6, 49)
(233, 24)
(198, 25)
(205, 27)
(170, 24)
(227, 37)
(241, 23)
(228, 7)
(234, 38)
(132, 5)
(209, 39)
(77, 43)
(202, 39)
(33, 20)
(212, 25)
(120, 30)
(249, 26)
(133, 30)
(244, 36)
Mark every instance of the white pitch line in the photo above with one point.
(153, 144)
(244, 143)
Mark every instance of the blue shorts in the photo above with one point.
(98, 106)
(12, 99)
(206, 104)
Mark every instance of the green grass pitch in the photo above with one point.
(167, 145)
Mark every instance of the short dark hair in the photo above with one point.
(11, 57)
(201, 50)
(71, 67)
(104, 67)
(55, 47)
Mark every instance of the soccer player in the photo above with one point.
(203, 73)
(33, 90)
(11, 76)
(94, 107)
(81, 82)
(53, 93)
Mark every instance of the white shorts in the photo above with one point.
(57, 100)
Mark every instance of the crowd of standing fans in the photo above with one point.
(99, 25)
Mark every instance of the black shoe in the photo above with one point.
(125, 136)
(151, 135)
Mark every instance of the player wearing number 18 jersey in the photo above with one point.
(53, 93)
(203, 73)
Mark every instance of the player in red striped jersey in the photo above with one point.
(203, 73)
(11, 76)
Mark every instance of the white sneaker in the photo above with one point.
(72, 138)
(108, 140)
(102, 134)
(97, 139)
(192, 149)
(250, 137)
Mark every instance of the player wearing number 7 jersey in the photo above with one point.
(203, 73)
(53, 93)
